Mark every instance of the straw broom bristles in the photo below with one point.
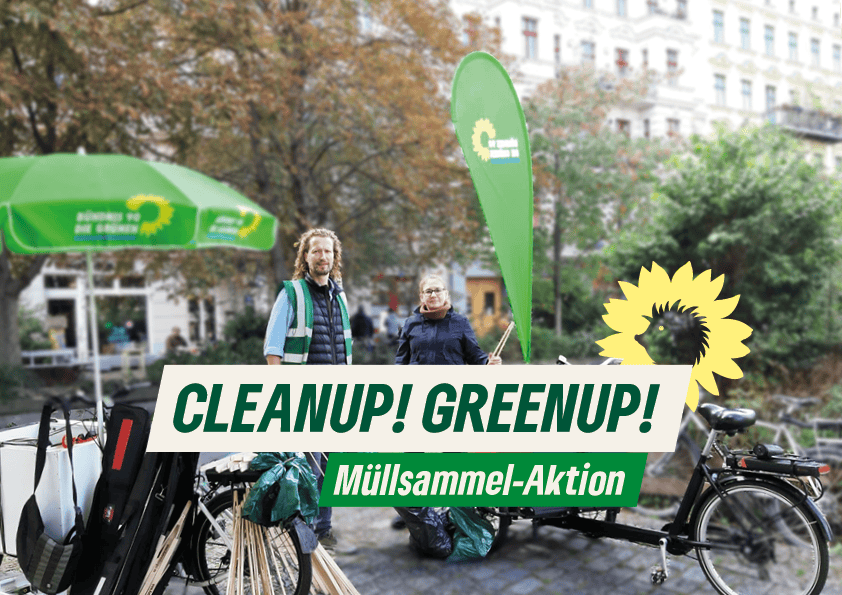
(328, 577)
(248, 550)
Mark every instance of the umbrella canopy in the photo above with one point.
(80, 203)
(89, 203)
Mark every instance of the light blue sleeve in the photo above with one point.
(279, 323)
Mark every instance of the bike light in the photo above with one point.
(824, 469)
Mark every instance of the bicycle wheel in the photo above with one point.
(761, 540)
(291, 568)
(666, 477)
(831, 501)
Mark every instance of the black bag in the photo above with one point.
(48, 565)
(127, 435)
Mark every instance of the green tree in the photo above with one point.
(748, 206)
(589, 178)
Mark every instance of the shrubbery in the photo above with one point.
(546, 345)
(13, 379)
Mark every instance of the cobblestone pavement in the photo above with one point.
(378, 561)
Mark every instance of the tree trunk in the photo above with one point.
(557, 270)
(280, 271)
(10, 288)
(9, 333)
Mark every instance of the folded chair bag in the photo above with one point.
(49, 565)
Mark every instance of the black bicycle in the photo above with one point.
(752, 523)
(208, 559)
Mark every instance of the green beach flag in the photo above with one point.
(491, 130)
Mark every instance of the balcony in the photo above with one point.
(811, 124)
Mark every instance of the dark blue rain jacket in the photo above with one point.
(449, 341)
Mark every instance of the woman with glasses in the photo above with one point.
(435, 334)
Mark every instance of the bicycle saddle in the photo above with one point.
(726, 420)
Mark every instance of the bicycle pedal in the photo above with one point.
(658, 576)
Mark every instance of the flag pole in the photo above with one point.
(95, 346)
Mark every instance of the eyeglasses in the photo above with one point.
(429, 292)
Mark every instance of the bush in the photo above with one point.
(13, 381)
(31, 331)
(244, 326)
(546, 345)
(245, 352)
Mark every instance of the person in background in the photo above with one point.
(393, 328)
(175, 342)
(323, 340)
(362, 328)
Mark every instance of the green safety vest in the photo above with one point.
(300, 333)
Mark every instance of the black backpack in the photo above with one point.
(132, 507)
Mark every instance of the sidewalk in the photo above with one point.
(378, 561)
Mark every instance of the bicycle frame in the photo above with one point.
(674, 536)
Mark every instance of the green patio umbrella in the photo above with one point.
(90, 203)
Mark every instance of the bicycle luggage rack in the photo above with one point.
(232, 477)
(793, 465)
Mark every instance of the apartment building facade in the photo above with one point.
(731, 62)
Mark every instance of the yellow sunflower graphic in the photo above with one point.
(719, 338)
(483, 125)
(165, 212)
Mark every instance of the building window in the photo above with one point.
(818, 160)
(792, 6)
(624, 127)
(587, 3)
(746, 89)
(837, 58)
(793, 46)
(645, 55)
(815, 13)
(557, 49)
(770, 103)
(814, 50)
(793, 97)
(588, 53)
(622, 61)
(469, 33)
(681, 9)
(646, 132)
(652, 6)
(672, 67)
(745, 38)
(496, 24)
(719, 86)
(769, 36)
(839, 164)
(673, 127)
(621, 8)
(530, 37)
(836, 19)
(718, 26)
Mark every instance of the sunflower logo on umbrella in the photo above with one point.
(165, 212)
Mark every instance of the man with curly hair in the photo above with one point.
(310, 325)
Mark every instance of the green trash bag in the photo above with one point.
(286, 487)
(472, 537)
